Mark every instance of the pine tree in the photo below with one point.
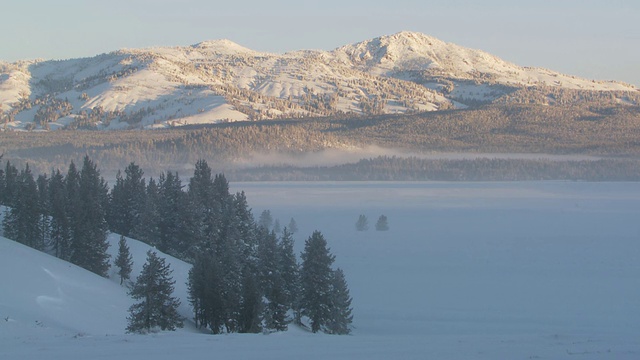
(290, 271)
(148, 228)
(340, 317)
(21, 221)
(44, 207)
(205, 292)
(123, 261)
(382, 224)
(272, 284)
(276, 227)
(362, 224)
(293, 226)
(10, 184)
(169, 211)
(157, 308)
(89, 227)
(251, 308)
(59, 233)
(2, 184)
(266, 220)
(316, 281)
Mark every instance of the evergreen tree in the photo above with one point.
(44, 206)
(117, 215)
(245, 225)
(266, 220)
(170, 211)
(123, 261)
(10, 184)
(59, 232)
(382, 224)
(148, 228)
(2, 184)
(290, 271)
(316, 281)
(157, 308)
(21, 221)
(89, 235)
(362, 224)
(251, 307)
(293, 227)
(340, 317)
(273, 286)
(276, 227)
(205, 292)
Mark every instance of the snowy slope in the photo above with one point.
(48, 296)
(219, 81)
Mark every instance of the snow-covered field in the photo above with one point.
(534, 270)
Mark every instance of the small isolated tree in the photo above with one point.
(362, 224)
(157, 308)
(123, 261)
(341, 317)
(382, 224)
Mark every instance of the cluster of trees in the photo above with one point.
(62, 213)
(392, 168)
(245, 275)
(588, 128)
(363, 223)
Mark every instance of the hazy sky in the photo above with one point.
(591, 38)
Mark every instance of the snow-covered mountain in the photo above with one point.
(219, 81)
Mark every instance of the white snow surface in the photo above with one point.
(526, 270)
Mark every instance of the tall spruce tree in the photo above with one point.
(148, 228)
(59, 232)
(123, 261)
(10, 184)
(316, 281)
(273, 286)
(265, 220)
(21, 222)
(169, 211)
(158, 308)
(251, 306)
(44, 207)
(2, 183)
(341, 312)
(293, 226)
(89, 236)
(290, 272)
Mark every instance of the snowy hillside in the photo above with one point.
(219, 81)
(47, 296)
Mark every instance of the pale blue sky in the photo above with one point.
(592, 38)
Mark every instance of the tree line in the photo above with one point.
(245, 275)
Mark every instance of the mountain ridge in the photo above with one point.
(220, 81)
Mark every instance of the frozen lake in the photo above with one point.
(541, 259)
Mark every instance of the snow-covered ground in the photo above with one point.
(533, 270)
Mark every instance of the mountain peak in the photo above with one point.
(223, 46)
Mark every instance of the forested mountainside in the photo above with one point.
(589, 129)
(220, 81)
